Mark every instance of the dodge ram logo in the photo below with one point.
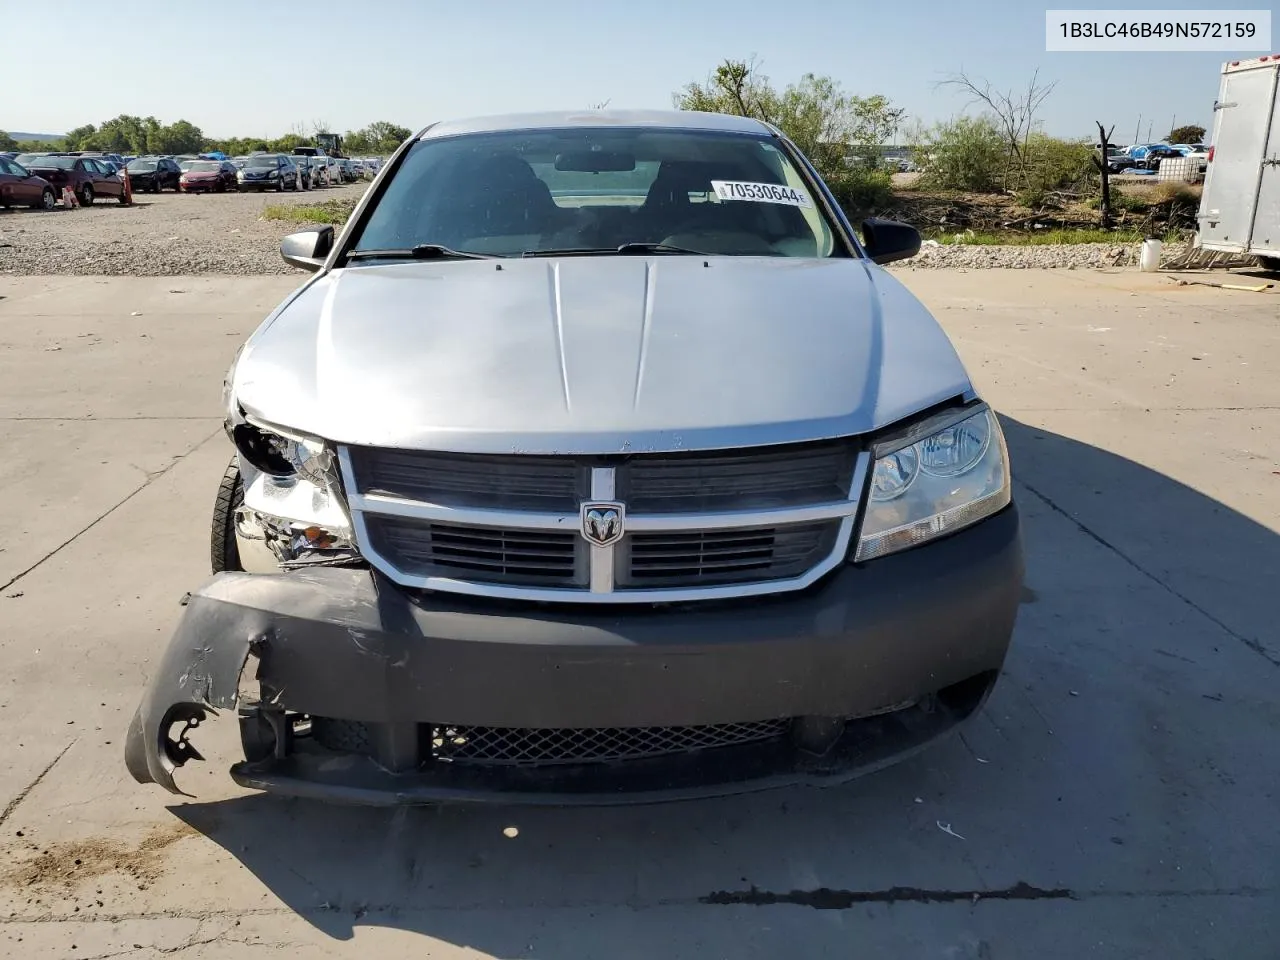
(602, 523)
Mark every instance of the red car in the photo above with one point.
(204, 176)
(20, 187)
(87, 178)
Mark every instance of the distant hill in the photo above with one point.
(42, 137)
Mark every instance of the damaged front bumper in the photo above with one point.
(858, 671)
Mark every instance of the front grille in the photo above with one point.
(540, 746)
(710, 557)
(464, 480)
(737, 481)
(510, 524)
(548, 558)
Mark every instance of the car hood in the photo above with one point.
(596, 355)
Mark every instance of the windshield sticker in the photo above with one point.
(761, 192)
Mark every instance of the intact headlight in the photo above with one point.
(948, 473)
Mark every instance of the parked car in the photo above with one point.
(723, 511)
(99, 155)
(349, 172)
(207, 176)
(87, 178)
(153, 174)
(1148, 156)
(1118, 159)
(268, 171)
(20, 187)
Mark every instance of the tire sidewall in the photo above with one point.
(224, 552)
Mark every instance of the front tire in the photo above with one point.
(224, 553)
(86, 196)
(48, 200)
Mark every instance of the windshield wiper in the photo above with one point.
(623, 249)
(423, 251)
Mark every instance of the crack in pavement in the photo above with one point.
(151, 478)
(1254, 645)
(22, 795)
(824, 898)
(92, 419)
(1020, 891)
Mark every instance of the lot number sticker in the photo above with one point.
(761, 192)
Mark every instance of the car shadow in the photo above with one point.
(1026, 775)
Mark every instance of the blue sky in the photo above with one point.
(235, 67)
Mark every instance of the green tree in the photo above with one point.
(75, 138)
(7, 142)
(1189, 133)
(178, 137)
(842, 134)
(124, 134)
(378, 137)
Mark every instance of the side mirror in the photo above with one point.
(889, 240)
(308, 249)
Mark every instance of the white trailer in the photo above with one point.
(1240, 206)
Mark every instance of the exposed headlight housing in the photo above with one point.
(938, 477)
(293, 500)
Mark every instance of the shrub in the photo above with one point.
(1052, 164)
(966, 153)
(862, 191)
(1128, 202)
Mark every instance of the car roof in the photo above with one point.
(669, 119)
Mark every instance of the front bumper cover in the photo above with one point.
(349, 644)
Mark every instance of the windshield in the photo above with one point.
(28, 157)
(141, 166)
(201, 166)
(262, 162)
(56, 163)
(519, 192)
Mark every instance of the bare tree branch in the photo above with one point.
(1014, 111)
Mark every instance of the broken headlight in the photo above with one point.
(293, 501)
(940, 476)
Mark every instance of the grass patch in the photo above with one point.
(333, 212)
(1023, 238)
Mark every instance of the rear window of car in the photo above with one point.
(57, 163)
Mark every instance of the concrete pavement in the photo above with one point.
(1117, 797)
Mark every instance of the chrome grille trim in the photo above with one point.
(594, 591)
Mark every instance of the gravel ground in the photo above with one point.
(1073, 256)
(167, 234)
(181, 235)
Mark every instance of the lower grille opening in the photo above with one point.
(543, 746)
(483, 554)
(709, 557)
